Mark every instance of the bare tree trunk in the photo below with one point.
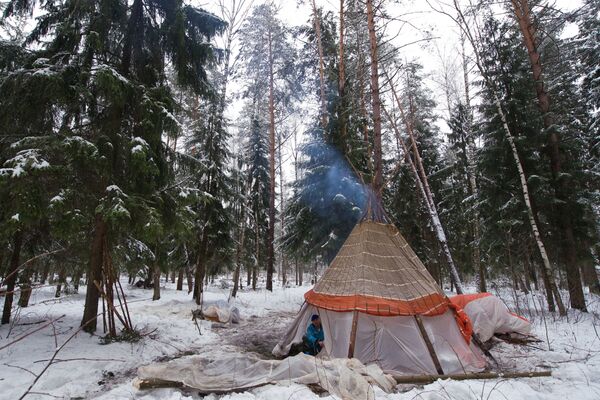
(239, 251)
(271, 232)
(188, 271)
(90, 310)
(528, 29)
(282, 208)
(376, 103)
(421, 179)
(317, 27)
(62, 280)
(75, 280)
(249, 275)
(156, 280)
(200, 272)
(11, 278)
(472, 176)
(180, 279)
(342, 74)
(590, 276)
(257, 249)
(45, 272)
(523, 179)
(25, 283)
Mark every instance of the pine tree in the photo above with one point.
(269, 64)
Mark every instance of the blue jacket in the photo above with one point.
(314, 335)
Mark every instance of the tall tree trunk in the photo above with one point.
(239, 251)
(200, 272)
(11, 276)
(282, 208)
(422, 182)
(472, 176)
(528, 29)
(25, 284)
(62, 280)
(180, 279)
(249, 275)
(271, 233)
(45, 272)
(376, 103)
(588, 269)
(90, 309)
(75, 280)
(257, 249)
(156, 280)
(522, 178)
(342, 76)
(317, 27)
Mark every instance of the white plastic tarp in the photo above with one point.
(490, 315)
(347, 379)
(221, 311)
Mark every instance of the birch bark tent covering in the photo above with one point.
(378, 303)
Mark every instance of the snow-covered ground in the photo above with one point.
(84, 368)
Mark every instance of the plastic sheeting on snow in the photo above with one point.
(393, 343)
(346, 378)
(489, 315)
(221, 311)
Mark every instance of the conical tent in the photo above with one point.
(378, 303)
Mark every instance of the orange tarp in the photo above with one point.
(431, 305)
(462, 300)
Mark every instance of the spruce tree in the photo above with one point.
(94, 90)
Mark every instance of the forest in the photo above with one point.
(173, 147)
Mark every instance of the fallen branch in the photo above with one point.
(32, 332)
(155, 383)
(476, 375)
(59, 360)
(51, 360)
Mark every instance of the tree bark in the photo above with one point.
(62, 280)
(200, 272)
(317, 27)
(472, 176)
(156, 280)
(180, 279)
(45, 272)
(11, 279)
(421, 179)
(588, 269)
(25, 284)
(528, 29)
(271, 231)
(342, 75)
(239, 250)
(376, 103)
(90, 309)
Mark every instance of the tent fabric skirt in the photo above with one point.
(394, 343)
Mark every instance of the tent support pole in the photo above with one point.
(353, 335)
(429, 345)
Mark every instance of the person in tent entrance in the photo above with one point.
(314, 340)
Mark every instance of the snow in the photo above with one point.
(24, 160)
(570, 347)
(115, 190)
(137, 149)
